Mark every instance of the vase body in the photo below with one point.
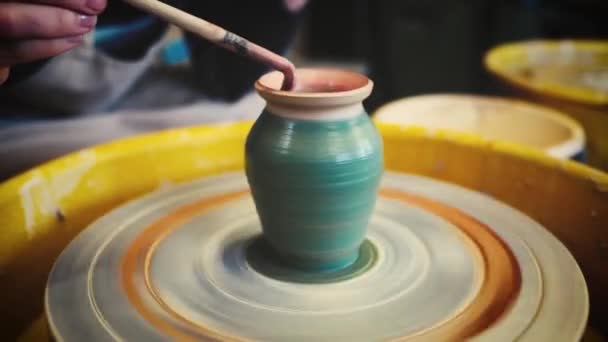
(314, 172)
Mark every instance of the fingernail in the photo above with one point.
(88, 21)
(96, 5)
(75, 39)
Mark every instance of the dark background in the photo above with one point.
(411, 47)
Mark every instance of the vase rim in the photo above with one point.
(316, 87)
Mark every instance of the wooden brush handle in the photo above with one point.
(181, 19)
(219, 36)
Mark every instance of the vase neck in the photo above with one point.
(321, 113)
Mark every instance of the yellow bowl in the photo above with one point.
(491, 118)
(44, 208)
(569, 75)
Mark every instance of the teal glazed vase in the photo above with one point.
(314, 160)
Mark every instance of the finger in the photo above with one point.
(4, 72)
(90, 7)
(12, 53)
(28, 21)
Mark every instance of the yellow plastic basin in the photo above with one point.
(491, 118)
(569, 75)
(44, 208)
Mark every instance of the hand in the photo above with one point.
(31, 30)
(295, 5)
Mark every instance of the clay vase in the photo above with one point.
(314, 160)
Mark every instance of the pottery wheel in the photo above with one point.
(440, 262)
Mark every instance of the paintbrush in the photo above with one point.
(219, 36)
